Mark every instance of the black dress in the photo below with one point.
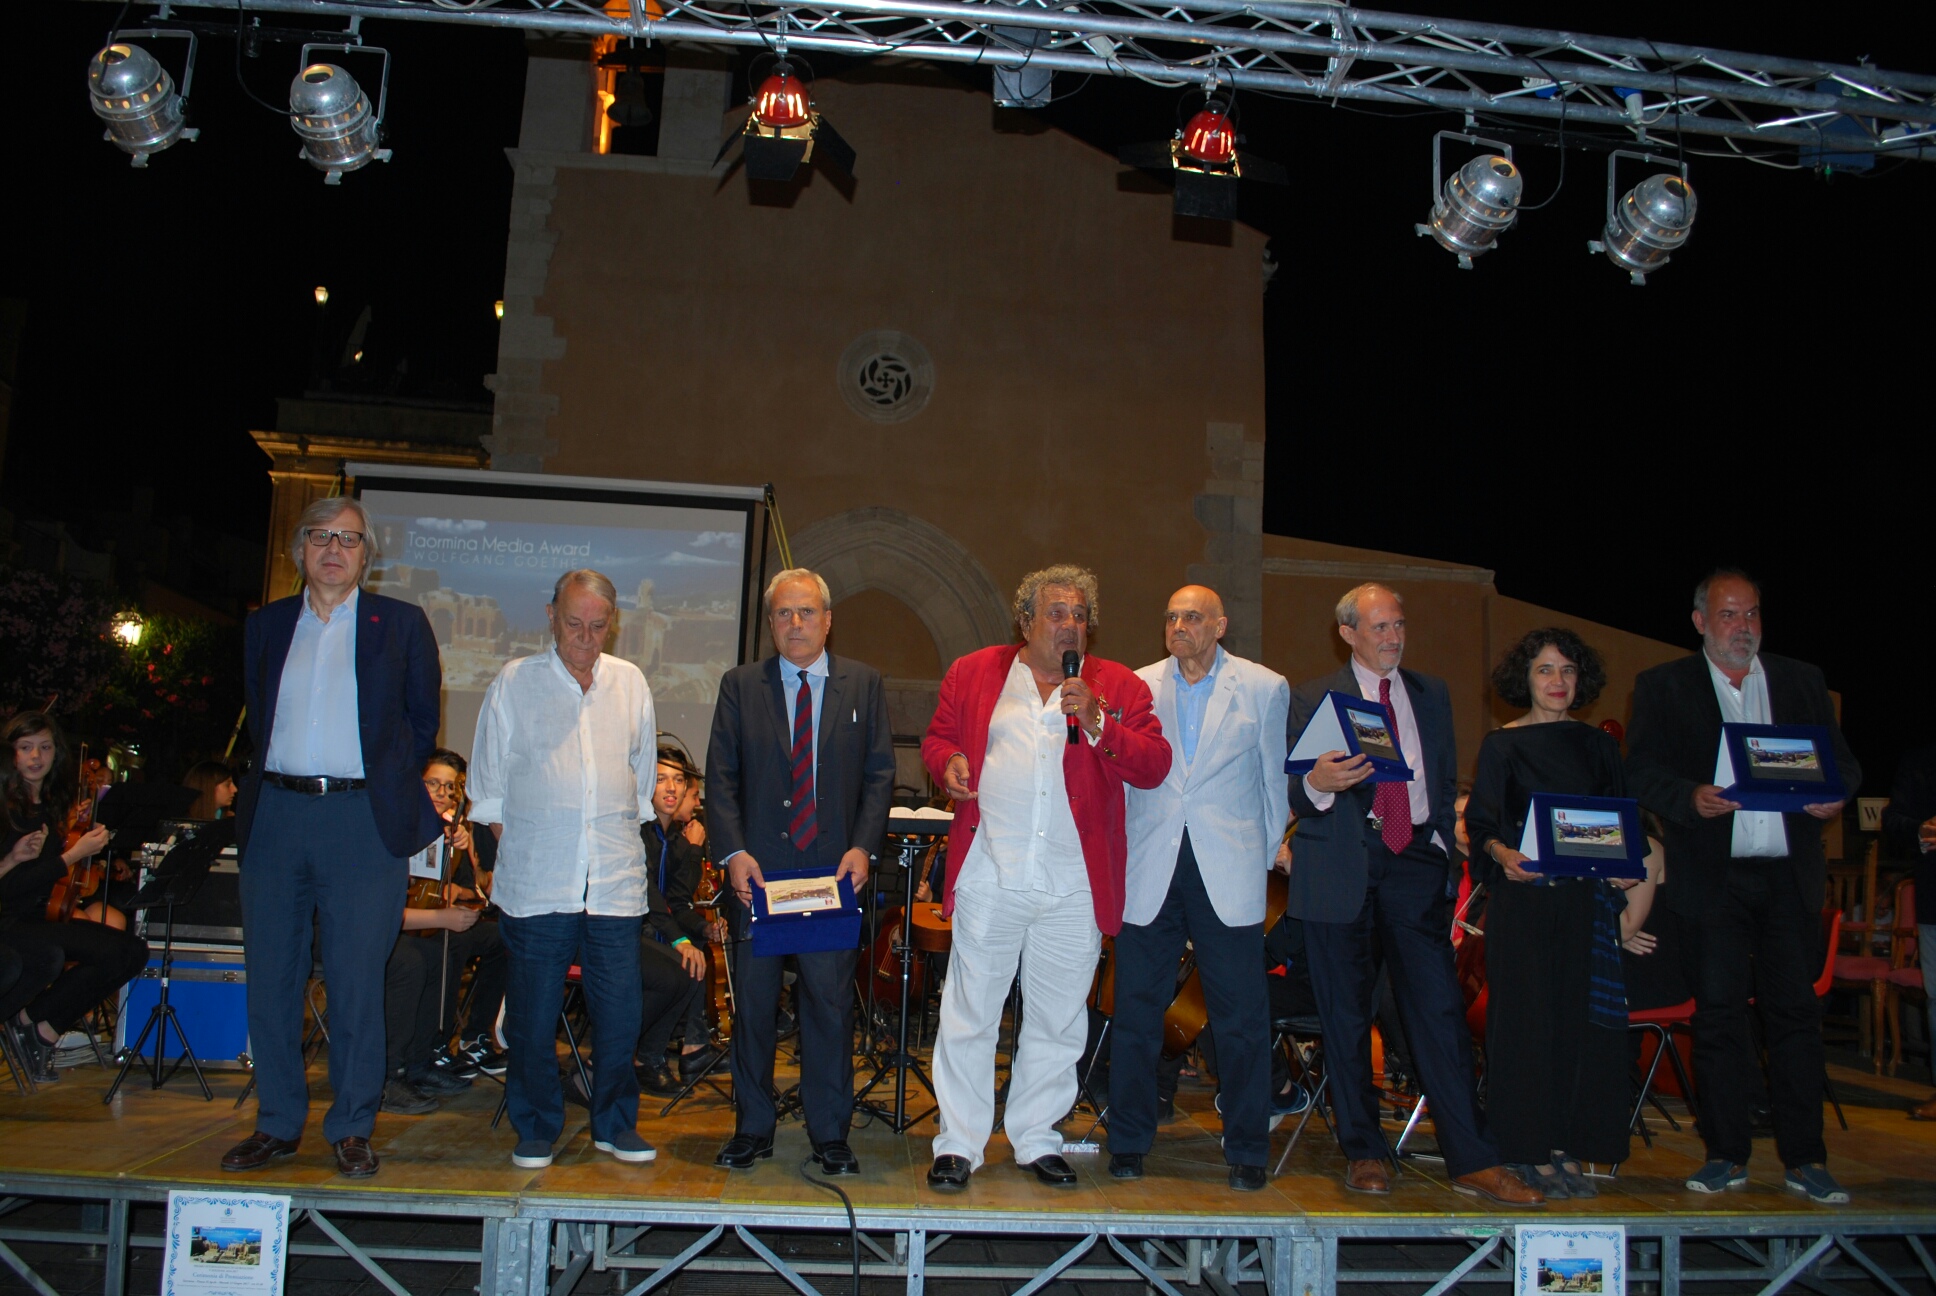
(1555, 1080)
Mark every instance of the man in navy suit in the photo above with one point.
(1372, 866)
(342, 691)
(800, 773)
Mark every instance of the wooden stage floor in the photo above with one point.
(171, 1138)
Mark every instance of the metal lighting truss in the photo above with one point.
(1297, 47)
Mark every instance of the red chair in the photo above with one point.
(1831, 933)
(1863, 972)
(1661, 1023)
(1905, 968)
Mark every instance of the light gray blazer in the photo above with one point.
(1233, 797)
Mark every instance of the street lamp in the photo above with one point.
(127, 628)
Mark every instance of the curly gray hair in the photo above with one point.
(1065, 574)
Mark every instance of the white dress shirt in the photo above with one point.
(569, 772)
(1027, 836)
(316, 726)
(1408, 745)
(1758, 834)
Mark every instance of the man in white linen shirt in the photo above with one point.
(563, 772)
(1035, 742)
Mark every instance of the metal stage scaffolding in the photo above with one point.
(541, 1246)
(1638, 89)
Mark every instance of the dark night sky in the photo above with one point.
(1761, 401)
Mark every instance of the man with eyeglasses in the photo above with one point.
(342, 689)
(1035, 742)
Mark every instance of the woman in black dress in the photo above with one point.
(1556, 1023)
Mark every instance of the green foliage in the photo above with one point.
(56, 641)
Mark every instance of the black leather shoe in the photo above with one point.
(742, 1150)
(948, 1174)
(1053, 1171)
(437, 1083)
(258, 1150)
(837, 1158)
(355, 1159)
(1125, 1165)
(1245, 1178)
(657, 1080)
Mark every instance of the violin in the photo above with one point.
(439, 892)
(85, 877)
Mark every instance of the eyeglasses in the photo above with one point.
(438, 785)
(319, 538)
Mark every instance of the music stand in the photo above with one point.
(136, 810)
(898, 1061)
(177, 879)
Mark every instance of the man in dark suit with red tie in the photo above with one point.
(342, 689)
(799, 774)
(1372, 867)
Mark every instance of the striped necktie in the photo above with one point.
(805, 827)
(1392, 802)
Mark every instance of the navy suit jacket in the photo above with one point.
(399, 685)
(1672, 743)
(1328, 867)
(749, 766)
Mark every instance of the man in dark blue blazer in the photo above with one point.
(342, 689)
(799, 775)
(1371, 867)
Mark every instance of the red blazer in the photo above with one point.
(1132, 750)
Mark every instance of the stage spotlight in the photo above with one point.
(1478, 204)
(1204, 161)
(783, 130)
(134, 95)
(1650, 223)
(329, 110)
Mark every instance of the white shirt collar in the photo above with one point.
(818, 666)
(1368, 679)
(1720, 677)
(347, 605)
(558, 664)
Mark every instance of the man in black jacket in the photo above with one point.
(1749, 883)
(675, 864)
(801, 772)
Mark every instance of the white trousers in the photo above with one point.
(1055, 942)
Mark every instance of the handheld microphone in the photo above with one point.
(1071, 667)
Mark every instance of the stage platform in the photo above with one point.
(528, 1233)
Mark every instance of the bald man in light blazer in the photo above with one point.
(1200, 848)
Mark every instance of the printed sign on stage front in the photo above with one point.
(225, 1244)
(1587, 1260)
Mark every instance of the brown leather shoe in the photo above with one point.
(1925, 1111)
(354, 1159)
(256, 1151)
(1367, 1177)
(1500, 1184)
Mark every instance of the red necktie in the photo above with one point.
(1392, 802)
(804, 828)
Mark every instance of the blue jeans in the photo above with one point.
(542, 949)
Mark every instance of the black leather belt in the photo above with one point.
(313, 785)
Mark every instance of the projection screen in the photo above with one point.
(479, 552)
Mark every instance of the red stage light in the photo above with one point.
(782, 101)
(1210, 138)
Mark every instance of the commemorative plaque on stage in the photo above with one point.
(1778, 767)
(1346, 723)
(1582, 836)
(798, 912)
